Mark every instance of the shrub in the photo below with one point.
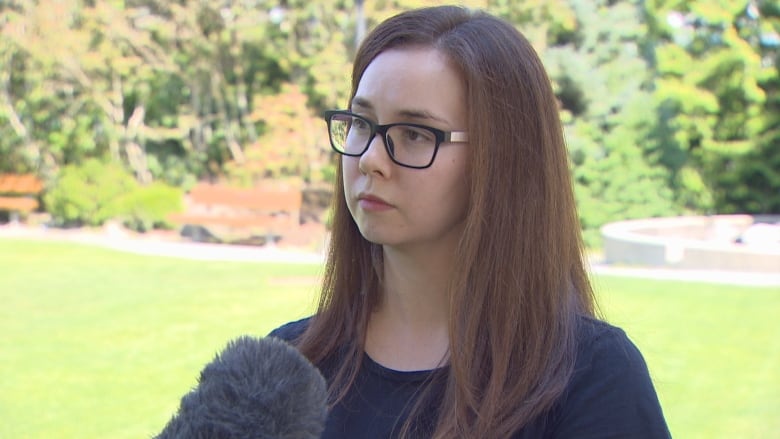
(94, 192)
(88, 193)
(148, 207)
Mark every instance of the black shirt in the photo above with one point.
(610, 394)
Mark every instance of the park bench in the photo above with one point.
(258, 215)
(19, 194)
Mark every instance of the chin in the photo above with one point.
(378, 237)
(375, 238)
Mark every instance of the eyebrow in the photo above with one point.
(410, 113)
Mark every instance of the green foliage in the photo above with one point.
(720, 114)
(95, 192)
(148, 207)
(669, 106)
(604, 86)
(89, 194)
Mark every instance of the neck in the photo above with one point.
(415, 289)
(409, 329)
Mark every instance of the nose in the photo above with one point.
(376, 159)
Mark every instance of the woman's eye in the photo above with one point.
(417, 135)
(359, 124)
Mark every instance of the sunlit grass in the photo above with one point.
(101, 344)
(713, 350)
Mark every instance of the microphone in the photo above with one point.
(254, 389)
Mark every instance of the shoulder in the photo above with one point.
(601, 344)
(291, 331)
(610, 393)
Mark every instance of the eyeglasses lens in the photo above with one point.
(407, 144)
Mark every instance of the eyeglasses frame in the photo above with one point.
(440, 135)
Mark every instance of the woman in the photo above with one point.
(455, 300)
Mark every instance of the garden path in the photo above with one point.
(169, 245)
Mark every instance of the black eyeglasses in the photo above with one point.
(408, 144)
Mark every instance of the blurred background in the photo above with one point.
(120, 108)
(145, 118)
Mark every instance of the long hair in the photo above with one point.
(519, 280)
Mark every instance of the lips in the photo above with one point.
(372, 202)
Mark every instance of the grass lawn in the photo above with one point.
(99, 344)
(713, 352)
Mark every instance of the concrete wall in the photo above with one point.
(717, 242)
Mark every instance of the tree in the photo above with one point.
(594, 54)
(668, 105)
(716, 89)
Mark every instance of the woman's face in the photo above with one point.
(394, 205)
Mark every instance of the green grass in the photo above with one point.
(99, 344)
(713, 352)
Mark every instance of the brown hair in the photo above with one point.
(519, 280)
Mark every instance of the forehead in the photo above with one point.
(420, 79)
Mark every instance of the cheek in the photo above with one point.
(348, 178)
(350, 173)
(448, 190)
(459, 192)
(461, 196)
(349, 170)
